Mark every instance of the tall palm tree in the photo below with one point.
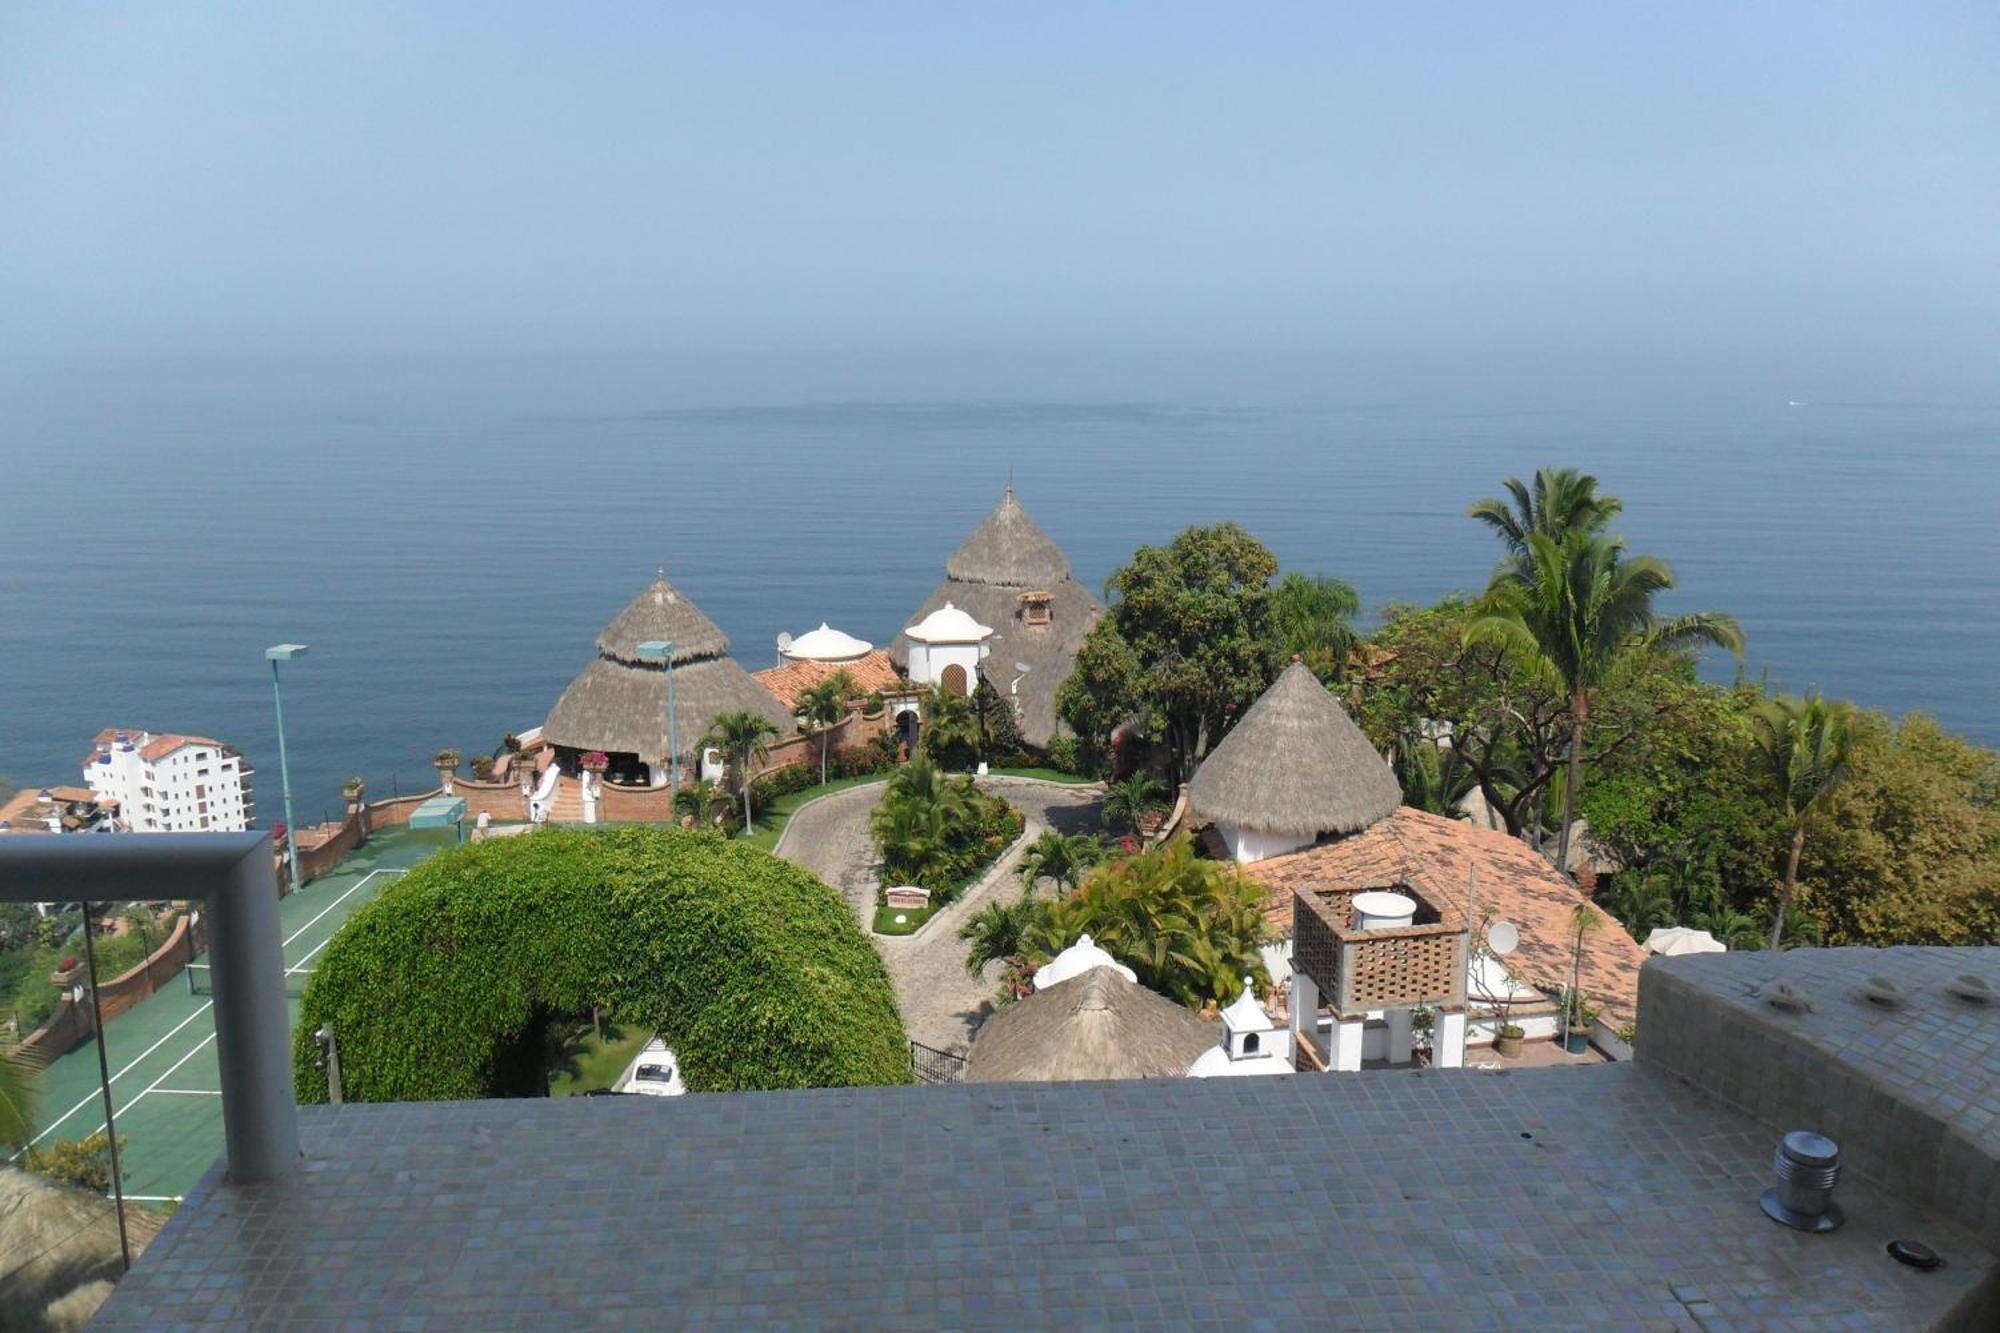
(1062, 857)
(1561, 500)
(1570, 608)
(821, 708)
(1807, 750)
(1313, 616)
(745, 738)
(1127, 800)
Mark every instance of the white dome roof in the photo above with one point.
(827, 644)
(1076, 960)
(948, 624)
(1215, 1063)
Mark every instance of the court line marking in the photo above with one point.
(96, 1093)
(187, 1092)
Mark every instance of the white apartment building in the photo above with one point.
(171, 783)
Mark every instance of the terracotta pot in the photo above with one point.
(1507, 1043)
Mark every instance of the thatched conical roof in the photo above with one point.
(1295, 765)
(1007, 555)
(618, 703)
(59, 1251)
(1008, 550)
(1094, 1026)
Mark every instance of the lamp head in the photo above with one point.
(656, 650)
(285, 652)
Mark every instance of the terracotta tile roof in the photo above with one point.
(788, 682)
(1436, 855)
(159, 747)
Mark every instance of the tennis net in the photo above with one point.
(200, 979)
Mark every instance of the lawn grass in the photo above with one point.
(1045, 774)
(598, 1063)
(771, 820)
(885, 919)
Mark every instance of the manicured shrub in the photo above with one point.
(752, 969)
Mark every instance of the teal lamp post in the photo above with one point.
(662, 650)
(286, 652)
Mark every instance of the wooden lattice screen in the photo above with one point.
(1361, 970)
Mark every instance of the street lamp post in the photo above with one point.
(286, 652)
(662, 650)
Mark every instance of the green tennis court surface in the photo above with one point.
(166, 1090)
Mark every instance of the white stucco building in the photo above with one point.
(946, 648)
(169, 783)
(1251, 1043)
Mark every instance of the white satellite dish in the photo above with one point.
(1502, 938)
(784, 641)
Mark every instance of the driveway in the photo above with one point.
(940, 1003)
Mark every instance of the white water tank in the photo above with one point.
(1383, 911)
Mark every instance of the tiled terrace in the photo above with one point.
(1613, 1197)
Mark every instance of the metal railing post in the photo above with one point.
(253, 1045)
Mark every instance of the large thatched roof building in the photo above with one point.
(1094, 1026)
(1009, 575)
(618, 704)
(1293, 770)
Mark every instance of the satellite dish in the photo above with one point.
(784, 641)
(1502, 938)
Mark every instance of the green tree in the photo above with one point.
(1572, 608)
(950, 736)
(744, 738)
(1061, 857)
(1806, 748)
(1561, 500)
(934, 830)
(997, 931)
(1186, 647)
(1313, 618)
(1128, 800)
(1434, 780)
(821, 708)
(1189, 928)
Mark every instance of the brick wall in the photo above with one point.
(71, 1023)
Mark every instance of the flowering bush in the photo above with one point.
(595, 762)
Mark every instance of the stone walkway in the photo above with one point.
(940, 1002)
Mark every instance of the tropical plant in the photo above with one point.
(1736, 930)
(1572, 608)
(1130, 799)
(1061, 857)
(445, 760)
(1434, 780)
(353, 788)
(1642, 903)
(1582, 922)
(950, 735)
(84, 1163)
(822, 706)
(1312, 616)
(1561, 500)
(997, 932)
(1806, 748)
(750, 968)
(1189, 928)
(744, 738)
(934, 830)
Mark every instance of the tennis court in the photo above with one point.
(166, 1089)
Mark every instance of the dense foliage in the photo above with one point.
(31, 947)
(961, 732)
(1187, 645)
(752, 969)
(1189, 927)
(937, 831)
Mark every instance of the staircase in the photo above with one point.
(567, 807)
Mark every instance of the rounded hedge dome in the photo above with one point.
(752, 969)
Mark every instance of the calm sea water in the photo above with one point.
(451, 567)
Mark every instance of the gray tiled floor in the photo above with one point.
(1606, 1197)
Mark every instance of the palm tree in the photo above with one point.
(821, 707)
(1434, 780)
(1571, 608)
(1127, 800)
(997, 931)
(1738, 930)
(1561, 500)
(951, 728)
(1807, 750)
(745, 738)
(1313, 616)
(1060, 857)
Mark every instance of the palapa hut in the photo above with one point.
(1010, 576)
(1293, 770)
(618, 704)
(1094, 1026)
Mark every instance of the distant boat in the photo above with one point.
(1793, 402)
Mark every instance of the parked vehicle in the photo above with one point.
(655, 1072)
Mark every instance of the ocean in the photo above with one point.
(450, 566)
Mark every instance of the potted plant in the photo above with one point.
(1507, 1040)
(445, 760)
(482, 768)
(67, 971)
(353, 789)
(1578, 1013)
(595, 762)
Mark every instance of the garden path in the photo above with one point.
(941, 1004)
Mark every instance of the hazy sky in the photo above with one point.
(1223, 203)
